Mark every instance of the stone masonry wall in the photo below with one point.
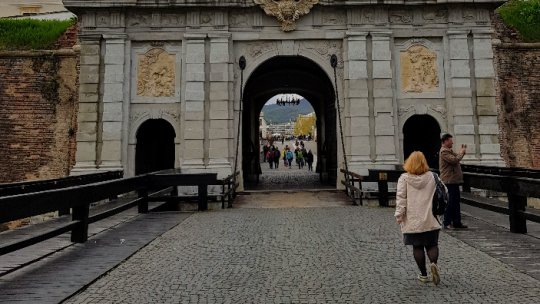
(518, 97)
(38, 111)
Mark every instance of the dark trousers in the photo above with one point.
(452, 215)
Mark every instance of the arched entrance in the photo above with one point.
(155, 146)
(422, 133)
(290, 75)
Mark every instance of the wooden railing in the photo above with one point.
(64, 182)
(517, 183)
(353, 191)
(79, 198)
(517, 190)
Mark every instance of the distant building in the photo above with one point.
(263, 126)
(283, 129)
(42, 9)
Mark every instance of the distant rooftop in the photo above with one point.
(35, 9)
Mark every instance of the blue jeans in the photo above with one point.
(452, 215)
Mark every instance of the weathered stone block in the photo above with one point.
(464, 129)
(358, 88)
(384, 125)
(381, 50)
(360, 145)
(195, 53)
(194, 129)
(484, 68)
(219, 91)
(357, 50)
(459, 49)
(382, 69)
(111, 150)
(385, 145)
(359, 126)
(460, 68)
(488, 129)
(359, 106)
(385, 105)
(490, 148)
(194, 91)
(356, 69)
(86, 151)
(485, 87)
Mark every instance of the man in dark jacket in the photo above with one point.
(452, 177)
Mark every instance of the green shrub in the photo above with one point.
(30, 34)
(524, 16)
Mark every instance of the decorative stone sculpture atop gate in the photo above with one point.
(287, 11)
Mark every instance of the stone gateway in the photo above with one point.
(405, 73)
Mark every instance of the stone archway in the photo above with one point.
(154, 150)
(422, 133)
(290, 74)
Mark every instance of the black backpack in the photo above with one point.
(440, 198)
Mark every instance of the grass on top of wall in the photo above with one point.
(30, 34)
(524, 16)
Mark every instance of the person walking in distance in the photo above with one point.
(309, 160)
(452, 177)
(420, 228)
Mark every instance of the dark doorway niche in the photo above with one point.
(422, 133)
(155, 146)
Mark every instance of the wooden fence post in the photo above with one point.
(203, 197)
(383, 189)
(518, 221)
(143, 203)
(79, 234)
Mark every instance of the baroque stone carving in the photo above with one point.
(257, 49)
(156, 73)
(435, 15)
(439, 109)
(333, 18)
(139, 19)
(286, 11)
(404, 110)
(401, 17)
(419, 70)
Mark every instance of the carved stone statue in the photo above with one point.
(419, 70)
(287, 11)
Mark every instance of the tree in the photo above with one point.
(304, 124)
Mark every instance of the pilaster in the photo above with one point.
(461, 95)
(383, 102)
(194, 96)
(89, 98)
(220, 119)
(113, 97)
(486, 109)
(356, 95)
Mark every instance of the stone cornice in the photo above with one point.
(85, 4)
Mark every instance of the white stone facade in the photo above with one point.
(394, 61)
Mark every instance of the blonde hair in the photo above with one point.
(416, 163)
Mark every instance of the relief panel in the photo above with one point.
(420, 69)
(156, 72)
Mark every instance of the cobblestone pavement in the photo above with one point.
(285, 178)
(302, 255)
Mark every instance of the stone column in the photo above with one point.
(385, 127)
(463, 127)
(113, 97)
(87, 118)
(486, 109)
(356, 95)
(194, 108)
(220, 120)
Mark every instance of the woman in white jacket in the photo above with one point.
(419, 226)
